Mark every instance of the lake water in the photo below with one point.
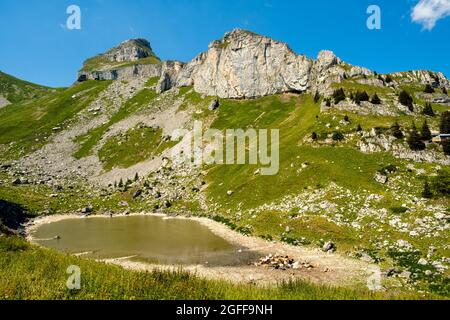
(151, 239)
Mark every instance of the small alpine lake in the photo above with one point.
(146, 238)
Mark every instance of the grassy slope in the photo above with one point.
(16, 90)
(295, 120)
(29, 124)
(296, 117)
(138, 144)
(35, 200)
(341, 164)
(89, 140)
(28, 272)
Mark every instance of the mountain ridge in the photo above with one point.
(244, 64)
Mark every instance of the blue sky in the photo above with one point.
(36, 46)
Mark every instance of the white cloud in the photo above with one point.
(428, 12)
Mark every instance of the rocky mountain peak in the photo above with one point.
(130, 50)
(131, 58)
(327, 59)
(242, 37)
(246, 65)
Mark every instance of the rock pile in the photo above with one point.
(279, 262)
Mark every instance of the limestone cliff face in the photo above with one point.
(241, 65)
(122, 73)
(246, 65)
(169, 73)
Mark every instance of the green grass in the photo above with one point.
(352, 85)
(295, 118)
(16, 90)
(29, 272)
(192, 99)
(136, 145)
(35, 199)
(339, 163)
(89, 140)
(30, 124)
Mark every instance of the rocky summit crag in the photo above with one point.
(130, 50)
(130, 58)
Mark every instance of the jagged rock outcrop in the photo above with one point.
(169, 73)
(246, 65)
(435, 79)
(328, 69)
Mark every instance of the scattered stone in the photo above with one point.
(86, 210)
(137, 194)
(167, 204)
(58, 188)
(422, 262)
(381, 178)
(365, 257)
(214, 105)
(230, 192)
(20, 181)
(123, 204)
(329, 247)
(406, 274)
(281, 263)
(6, 166)
(392, 272)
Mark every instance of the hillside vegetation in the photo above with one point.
(364, 172)
(16, 90)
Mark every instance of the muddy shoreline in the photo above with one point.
(327, 268)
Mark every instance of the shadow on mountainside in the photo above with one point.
(12, 215)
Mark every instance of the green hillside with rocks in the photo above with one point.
(364, 170)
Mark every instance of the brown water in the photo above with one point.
(146, 238)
